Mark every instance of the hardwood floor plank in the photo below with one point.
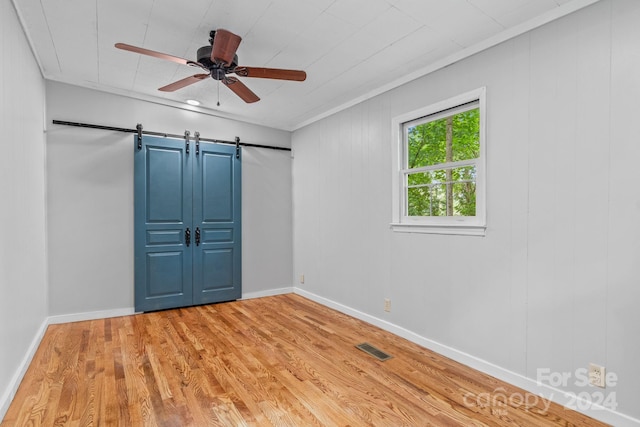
(275, 361)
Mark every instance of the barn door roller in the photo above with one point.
(139, 129)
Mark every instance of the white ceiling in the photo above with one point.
(350, 49)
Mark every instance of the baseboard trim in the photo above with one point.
(12, 388)
(558, 396)
(90, 315)
(267, 293)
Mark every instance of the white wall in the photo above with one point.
(23, 290)
(554, 284)
(90, 197)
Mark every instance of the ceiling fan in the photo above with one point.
(218, 60)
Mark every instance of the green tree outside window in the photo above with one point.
(445, 182)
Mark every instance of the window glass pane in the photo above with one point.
(449, 139)
(442, 192)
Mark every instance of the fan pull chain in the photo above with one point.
(218, 93)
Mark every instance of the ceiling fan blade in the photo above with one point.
(240, 89)
(225, 44)
(184, 82)
(271, 73)
(160, 55)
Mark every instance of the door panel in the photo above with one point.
(164, 185)
(165, 276)
(217, 185)
(216, 196)
(221, 235)
(162, 211)
(216, 273)
(163, 237)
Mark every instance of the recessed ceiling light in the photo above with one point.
(193, 102)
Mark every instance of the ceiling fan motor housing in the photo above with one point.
(218, 71)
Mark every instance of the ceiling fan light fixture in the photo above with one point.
(193, 102)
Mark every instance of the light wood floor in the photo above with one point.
(282, 361)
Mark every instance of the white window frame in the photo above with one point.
(459, 225)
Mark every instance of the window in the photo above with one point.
(439, 173)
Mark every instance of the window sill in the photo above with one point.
(456, 230)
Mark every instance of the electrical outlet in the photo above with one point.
(387, 304)
(302, 278)
(597, 375)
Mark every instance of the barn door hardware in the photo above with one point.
(237, 147)
(139, 129)
(187, 237)
(197, 135)
(197, 236)
(186, 140)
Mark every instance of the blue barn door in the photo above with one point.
(187, 224)
(163, 221)
(216, 218)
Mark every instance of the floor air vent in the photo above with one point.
(375, 352)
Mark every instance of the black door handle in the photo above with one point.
(187, 236)
(197, 236)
